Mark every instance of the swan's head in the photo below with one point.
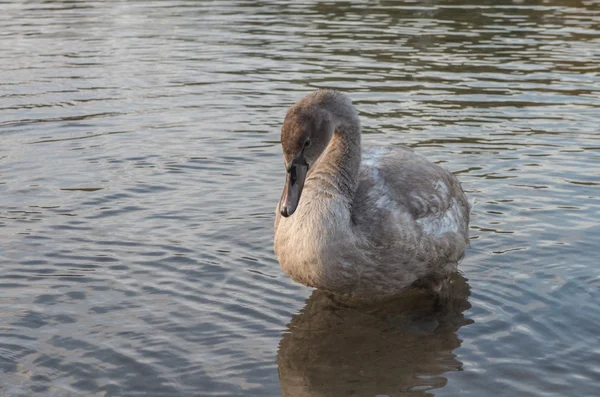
(305, 134)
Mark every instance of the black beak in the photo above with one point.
(294, 183)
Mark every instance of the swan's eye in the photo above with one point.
(307, 143)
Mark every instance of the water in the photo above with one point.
(140, 167)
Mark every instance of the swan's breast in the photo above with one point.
(310, 242)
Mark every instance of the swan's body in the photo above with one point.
(370, 223)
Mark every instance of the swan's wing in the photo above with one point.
(395, 182)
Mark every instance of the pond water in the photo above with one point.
(140, 167)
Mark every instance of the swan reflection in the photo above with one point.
(401, 349)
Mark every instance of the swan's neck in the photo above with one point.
(336, 172)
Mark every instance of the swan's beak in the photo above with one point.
(294, 183)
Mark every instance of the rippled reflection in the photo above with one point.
(403, 348)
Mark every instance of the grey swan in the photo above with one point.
(363, 222)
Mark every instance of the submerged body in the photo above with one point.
(363, 222)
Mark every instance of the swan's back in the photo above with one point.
(396, 178)
(406, 204)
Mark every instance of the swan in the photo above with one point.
(363, 222)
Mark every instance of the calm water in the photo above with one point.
(140, 167)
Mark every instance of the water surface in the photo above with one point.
(140, 167)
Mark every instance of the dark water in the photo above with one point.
(140, 168)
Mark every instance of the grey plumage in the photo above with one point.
(371, 221)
